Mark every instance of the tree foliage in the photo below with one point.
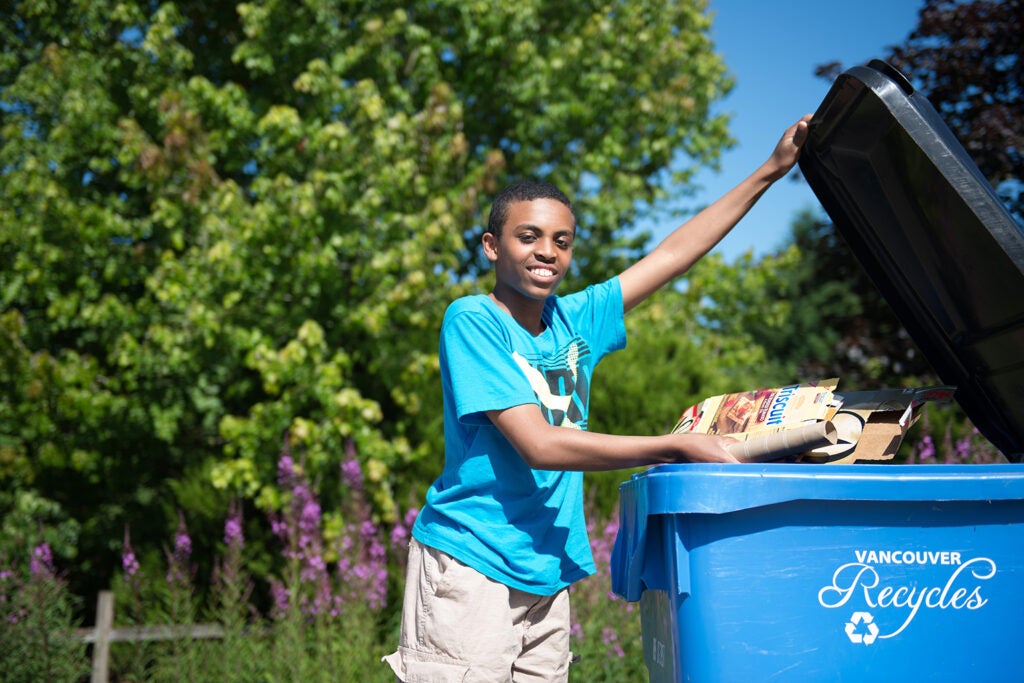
(224, 225)
(967, 57)
(687, 343)
(838, 323)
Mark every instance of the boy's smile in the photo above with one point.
(531, 256)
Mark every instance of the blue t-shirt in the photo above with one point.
(489, 509)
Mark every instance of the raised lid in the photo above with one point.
(931, 234)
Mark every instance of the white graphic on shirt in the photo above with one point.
(556, 403)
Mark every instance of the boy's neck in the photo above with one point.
(527, 312)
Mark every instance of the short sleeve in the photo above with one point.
(481, 367)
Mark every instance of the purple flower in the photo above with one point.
(362, 564)
(314, 568)
(359, 575)
(926, 449)
(182, 543)
(286, 470)
(129, 563)
(963, 449)
(310, 518)
(351, 471)
(233, 535)
(402, 531)
(298, 527)
(611, 638)
(281, 596)
(42, 561)
(399, 537)
(178, 559)
(278, 526)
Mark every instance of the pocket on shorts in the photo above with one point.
(412, 666)
(445, 575)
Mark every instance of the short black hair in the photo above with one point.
(522, 191)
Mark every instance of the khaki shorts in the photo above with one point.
(459, 625)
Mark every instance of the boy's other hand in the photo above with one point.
(787, 151)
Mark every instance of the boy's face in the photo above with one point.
(535, 248)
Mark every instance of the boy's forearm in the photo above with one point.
(592, 452)
(685, 245)
(690, 241)
(546, 447)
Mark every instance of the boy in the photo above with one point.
(502, 534)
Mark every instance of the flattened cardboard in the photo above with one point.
(880, 439)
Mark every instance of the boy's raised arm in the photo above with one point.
(694, 238)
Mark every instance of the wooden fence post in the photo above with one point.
(101, 644)
(104, 633)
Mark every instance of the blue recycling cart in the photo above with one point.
(807, 572)
(798, 572)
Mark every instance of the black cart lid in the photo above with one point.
(932, 235)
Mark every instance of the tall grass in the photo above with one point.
(37, 640)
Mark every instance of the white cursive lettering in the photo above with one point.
(862, 579)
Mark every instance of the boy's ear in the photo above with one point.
(490, 243)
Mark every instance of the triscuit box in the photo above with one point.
(761, 410)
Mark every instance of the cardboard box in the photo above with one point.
(871, 425)
(811, 422)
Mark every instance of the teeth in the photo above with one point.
(544, 272)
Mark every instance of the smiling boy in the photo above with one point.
(502, 534)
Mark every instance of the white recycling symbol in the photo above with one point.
(853, 628)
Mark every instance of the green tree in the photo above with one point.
(692, 341)
(835, 322)
(224, 225)
(685, 343)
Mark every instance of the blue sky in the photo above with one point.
(771, 47)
